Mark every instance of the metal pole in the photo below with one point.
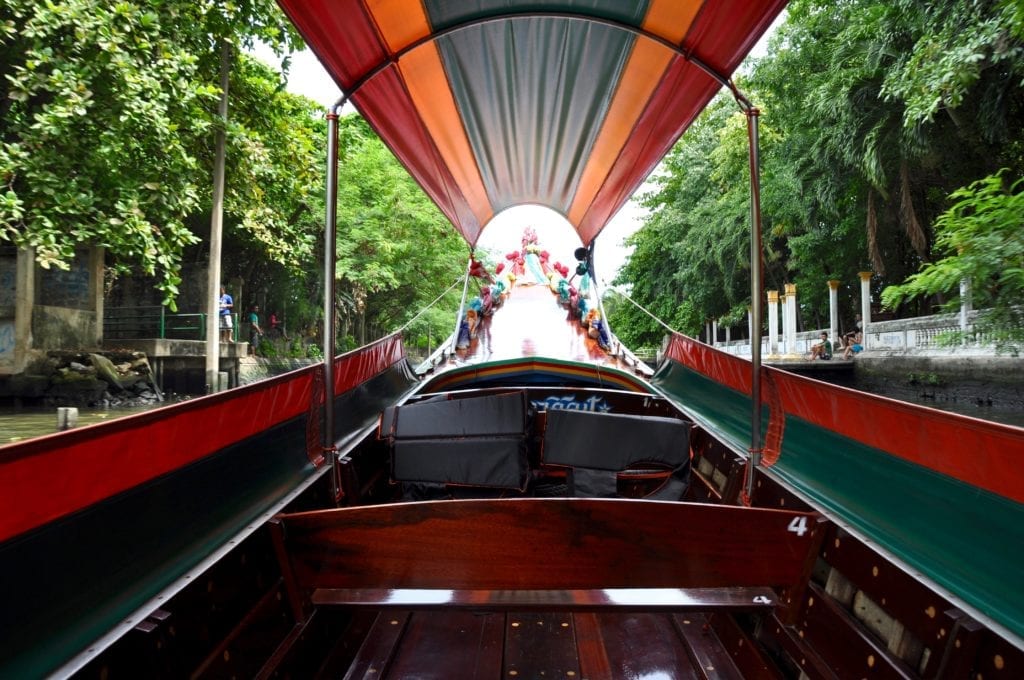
(462, 305)
(756, 306)
(597, 292)
(330, 257)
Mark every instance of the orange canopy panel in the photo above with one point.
(564, 103)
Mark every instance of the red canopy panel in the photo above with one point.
(495, 103)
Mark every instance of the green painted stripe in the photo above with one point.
(522, 124)
(965, 539)
(444, 13)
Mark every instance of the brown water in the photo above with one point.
(25, 423)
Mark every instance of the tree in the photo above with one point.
(106, 117)
(873, 113)
(396, 250)
(981, 240)
(101, 111)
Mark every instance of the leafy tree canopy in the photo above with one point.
(981, 240)
(105, 117)
(873, 113)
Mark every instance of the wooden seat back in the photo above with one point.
(501, 553)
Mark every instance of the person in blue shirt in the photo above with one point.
(226, 303)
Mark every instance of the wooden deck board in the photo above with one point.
(644, 646)
(430, 645)
(437, 646)
(540, 645)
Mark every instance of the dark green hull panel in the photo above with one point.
(967, 540)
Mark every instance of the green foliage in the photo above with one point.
(396, 250)
(276, 168)
(981, 239)
(101, 112)
(106, 118)
(873, 113)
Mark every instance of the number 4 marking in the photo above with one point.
(798, 525)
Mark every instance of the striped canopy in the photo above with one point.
(564, 103)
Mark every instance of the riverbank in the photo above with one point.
(82, 379)
(990, 388)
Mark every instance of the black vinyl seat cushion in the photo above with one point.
(597, 446)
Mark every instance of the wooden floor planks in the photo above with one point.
(574, 646)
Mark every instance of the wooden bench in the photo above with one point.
(543, 554)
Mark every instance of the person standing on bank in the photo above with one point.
(255, 332)
(226, 303)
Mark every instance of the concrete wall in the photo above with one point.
(43, 309)
(8, 307)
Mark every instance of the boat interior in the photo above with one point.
(546, 527)
(533, 502)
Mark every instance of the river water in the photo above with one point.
(24, 423)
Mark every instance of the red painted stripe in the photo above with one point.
(388, 107)
(982, 453)
(341, 34)
(681, 95)
(712, 35)
(52, 476)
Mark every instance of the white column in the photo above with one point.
(833, 310)
(965, 306)
(707, 333)
(790, 319)
(24, 303)
(727, 338)
(750, 329)
(773, 323)
(865, 304)
(714, 332)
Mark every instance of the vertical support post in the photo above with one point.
(965, 307)
(833, 310)
(599, 296)
(330, 263)
(865, 304)
(462, 304)
(707, 333)
(756, 285)
(790, 319)
(750, 327)
(216, 227)
(773, 323)
(714, 332)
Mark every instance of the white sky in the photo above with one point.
(307, 77)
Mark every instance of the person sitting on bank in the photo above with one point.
(854, 346)
(822, 350)
(857, 328)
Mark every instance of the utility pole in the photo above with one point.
(216, 225)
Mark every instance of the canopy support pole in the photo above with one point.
(756, 284)
(462, 305)
(597, 292)
(330, 263)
